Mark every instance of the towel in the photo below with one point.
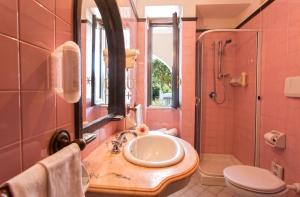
(64, 172)
(31, 183)
(172, 131)
(139, 115)
(59, 175)
(131, 56)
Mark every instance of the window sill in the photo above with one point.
(101, 105)
(151, 107)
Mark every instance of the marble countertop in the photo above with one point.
(113, 174)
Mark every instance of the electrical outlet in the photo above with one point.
(277, 170)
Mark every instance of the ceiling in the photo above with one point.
(220, 10)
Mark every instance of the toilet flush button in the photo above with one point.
(291, 87)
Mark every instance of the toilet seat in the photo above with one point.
(254, 179)
(240, 192)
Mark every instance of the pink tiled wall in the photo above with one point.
(245, 97)
(102, 134)
(141, 79)
(280, 25)
(187, 113)
(182, 118)
(30, 112)
(226, 127)
(217, 120)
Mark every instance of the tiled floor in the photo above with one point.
(195, 189)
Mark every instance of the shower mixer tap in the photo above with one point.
(223, 75)
(212, 94)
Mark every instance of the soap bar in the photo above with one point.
(292, 87)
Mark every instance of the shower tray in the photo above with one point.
(212, 165)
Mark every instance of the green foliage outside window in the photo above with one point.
(161, 79)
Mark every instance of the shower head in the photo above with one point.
(228, 41)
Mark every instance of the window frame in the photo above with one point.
(97, 23)
(164, 22)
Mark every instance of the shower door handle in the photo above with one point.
(197, 125)
(198, 101)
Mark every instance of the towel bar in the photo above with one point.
(131, 109)
(61, 139)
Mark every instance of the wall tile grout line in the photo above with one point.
(9, 37)
(20, 79)
(11, 144)
(55, 95)
(33, 45)
(53, 13)
(48, 131)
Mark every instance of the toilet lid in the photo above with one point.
(254, 179)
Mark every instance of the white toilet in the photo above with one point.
(252, 181)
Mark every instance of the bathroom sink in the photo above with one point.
(85, 178)
(154, 150)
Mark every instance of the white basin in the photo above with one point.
(154, 150)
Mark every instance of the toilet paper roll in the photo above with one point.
(271, 138)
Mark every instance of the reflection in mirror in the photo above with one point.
(126, 32)
(129, 72)
(100, 88)
(94, 69)
(129, 23)
(129, 33)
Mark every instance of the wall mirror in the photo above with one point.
(129, 21)
(99, 33)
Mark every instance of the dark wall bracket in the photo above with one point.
(62, 139)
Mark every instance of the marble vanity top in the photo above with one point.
(113, 174)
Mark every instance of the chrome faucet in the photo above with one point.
(120, 139)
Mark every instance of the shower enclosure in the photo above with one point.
(227, 101)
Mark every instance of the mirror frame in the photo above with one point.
(112, 23)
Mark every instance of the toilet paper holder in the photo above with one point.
(275, 139)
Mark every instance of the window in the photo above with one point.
(99, 81)
(97, 73)
(126, 33)
(101, 71)
(163, 62)
(163, 11)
